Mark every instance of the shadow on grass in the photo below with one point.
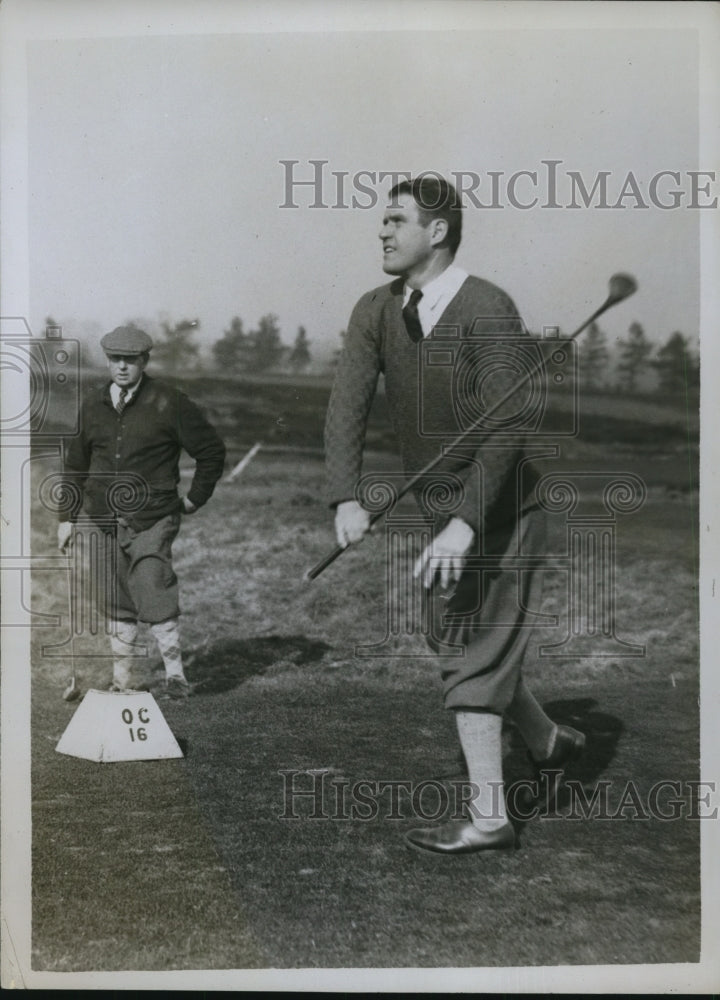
(602, 731)
(225, 664)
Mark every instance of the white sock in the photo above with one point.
(123, 634)
(167, 634)
(481, 739)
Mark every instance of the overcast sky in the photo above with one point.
(156, 184)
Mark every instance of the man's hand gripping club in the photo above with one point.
(445, 554)
(352, 522)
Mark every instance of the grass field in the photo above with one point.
(188, 864)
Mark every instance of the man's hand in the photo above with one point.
(351, 522)
(65, 535)
(188, 507)
(446, 553)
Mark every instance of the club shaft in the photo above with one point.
(72, 612)
(411, 483)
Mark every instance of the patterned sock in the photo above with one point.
(536, 728)
(481, 739)
(123, 634)
(167, 634)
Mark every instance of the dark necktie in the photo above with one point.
(412, 320)
(122, 400)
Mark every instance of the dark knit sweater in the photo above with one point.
(430, 403)
(145, 440)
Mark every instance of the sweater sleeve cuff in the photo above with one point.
(197, 499)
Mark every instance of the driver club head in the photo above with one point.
(621, 287)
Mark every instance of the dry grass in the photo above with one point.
(180, 864)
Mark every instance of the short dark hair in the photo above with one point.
(435, 198)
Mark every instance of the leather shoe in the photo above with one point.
(460, 837)
(569, 745)
(178, 687)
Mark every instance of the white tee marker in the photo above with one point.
(113, 726)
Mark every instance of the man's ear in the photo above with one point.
(438, 230)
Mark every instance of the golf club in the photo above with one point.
(621, 286)
(72, 691)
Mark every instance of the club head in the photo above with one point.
(71, 692)
(621, 287)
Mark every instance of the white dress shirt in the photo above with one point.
(436, 296)
(115, 392)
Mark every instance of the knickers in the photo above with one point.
(490, 615)
(141, 584)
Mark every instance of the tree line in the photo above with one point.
(634, 364)
(261, 349)
(637, 365)
(238, 351)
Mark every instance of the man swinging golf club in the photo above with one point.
(136, 427)
(496, 515)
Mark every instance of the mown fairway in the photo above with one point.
(188, 864)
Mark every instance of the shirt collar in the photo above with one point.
(115, 391)
(444, 286)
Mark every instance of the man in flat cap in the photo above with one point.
(122, 469)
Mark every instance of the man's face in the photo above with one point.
(407, 244)
(126, 369)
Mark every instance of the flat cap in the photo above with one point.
(126, 340)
